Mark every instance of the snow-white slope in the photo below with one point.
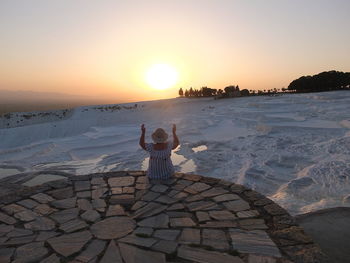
(294, 148)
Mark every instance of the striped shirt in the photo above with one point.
(160, 165)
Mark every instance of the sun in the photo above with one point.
(161, 76)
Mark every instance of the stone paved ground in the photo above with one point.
(122, 217)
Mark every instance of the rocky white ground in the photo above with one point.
(293, 148)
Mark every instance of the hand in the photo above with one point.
(174, 128)
(143, 129)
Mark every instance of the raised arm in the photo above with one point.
(176, 139)
(142, 138)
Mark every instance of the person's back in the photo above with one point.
(160, 164)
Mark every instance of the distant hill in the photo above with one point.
(27, 95)
(325, 81)
(23, 101)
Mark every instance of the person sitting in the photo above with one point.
(160, 164)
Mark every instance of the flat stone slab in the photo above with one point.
(149, 210)
(178, 214)
(115, 210)
(12, 209)
(248, 214)
(196, 188)
(255, 242)
(73, 225)
(158, 221)
(121, 181)
(150, 196)
(90, 216)
(166, 246)
(237, 205)
(51, 259)
(226, 197)
(112, 254)
(93, 250)
(45, 235)
(182, 222)
(69, 244)
(65, 203)
(202, 216)
(139, 241)
(44, 209)
(19, 232)
(167, 234)
(84, 204)
(82, 185)
(98, 203)
(205, 256)
(28, 203)
(200, 205)
(222, 215)
(133, 254)
(20, 240)
(215, 238)
(41, 223)
(214, 192)
(32, 252)
(159, 188)
(26, 215)
(219, 224)
(62, 193)
(190, 236)
(144, 231)
(125, 199)
(97, 181)
(99, 192)
(251, 224)
(42, 198)
(65, 215)
(7, 219)
(113, 227)
(164, 199)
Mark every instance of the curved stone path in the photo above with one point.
(122, 217)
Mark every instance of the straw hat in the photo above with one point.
(159, 136)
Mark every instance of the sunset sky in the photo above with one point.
(105, 48)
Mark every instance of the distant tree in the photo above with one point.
(244, 92)
(324, 81)
(208, 92)
(186, 93)
(196, 92)
(230, 89)
(181, 92)
(190, 93)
